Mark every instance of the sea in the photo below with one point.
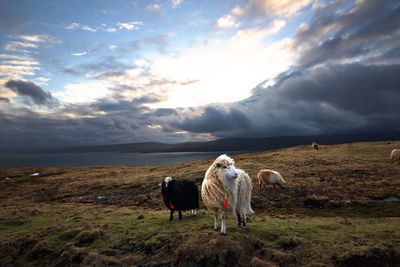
(8, 160)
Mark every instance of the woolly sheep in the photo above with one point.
(219, 191)
(314, 145)
(395, 155)
(266, 177)
(179, 195)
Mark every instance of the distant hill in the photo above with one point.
(228, 144)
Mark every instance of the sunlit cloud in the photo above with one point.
(78, 54)
(74, 26)
(227, 21)
(85, 92)
(176, 3)
(226, 70)
(108, 28)
(129, 25)
(265, 10)
(13, 71)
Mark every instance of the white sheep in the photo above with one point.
(266, 177)
(314, 145)
(219, 190)
(395, 155)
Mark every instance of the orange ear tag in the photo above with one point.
(226, 203)
(172, 206)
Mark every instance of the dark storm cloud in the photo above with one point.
(4, 100)
(32, 91)
(349, 98)
(365, 30)
(214, 120)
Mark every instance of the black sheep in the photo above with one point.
(179, 195)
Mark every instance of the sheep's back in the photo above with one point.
(187, 195)
(395, 154)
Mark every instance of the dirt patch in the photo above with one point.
(369, 257)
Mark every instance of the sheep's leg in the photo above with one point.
(244, 220)
(194, 212)
(180, 215)
(171, 216)
(281, 186)
(215, 214)
(223, 223)
(239, 219)
(274, 186)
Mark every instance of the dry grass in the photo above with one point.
(114, 215)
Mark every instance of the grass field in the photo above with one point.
(341, 208)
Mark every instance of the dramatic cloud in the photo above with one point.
(213, 120)
(30, 90)
(337, 72)
(368, 30)
(217, 66)
(349, 98)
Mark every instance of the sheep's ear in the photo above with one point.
(218, 165)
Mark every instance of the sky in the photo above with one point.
(105, 72)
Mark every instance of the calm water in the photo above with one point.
(103, 159)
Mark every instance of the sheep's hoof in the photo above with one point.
(223, 234)
(215, 229)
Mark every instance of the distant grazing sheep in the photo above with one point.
(266, 177)
(395, 155)
(179, 195)
(315, 146)
(219, 191)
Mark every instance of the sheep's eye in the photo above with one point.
(225, 167)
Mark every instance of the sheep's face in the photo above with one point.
(167, 180)
(226, 169)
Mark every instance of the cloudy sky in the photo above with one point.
(102, 72)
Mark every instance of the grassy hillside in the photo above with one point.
(339, 208)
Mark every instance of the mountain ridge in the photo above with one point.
(227, 144)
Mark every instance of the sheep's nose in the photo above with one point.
(235, 175)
